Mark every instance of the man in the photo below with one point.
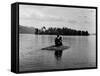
(58, 41)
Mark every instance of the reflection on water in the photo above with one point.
(58, 54)
(82, 52)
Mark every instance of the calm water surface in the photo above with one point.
(81, 52)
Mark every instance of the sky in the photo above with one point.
(50, 16)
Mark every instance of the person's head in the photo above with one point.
(57, 35)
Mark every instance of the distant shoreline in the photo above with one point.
(62, 35)
(53, 31)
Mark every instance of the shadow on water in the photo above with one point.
(53, 48)
(58, 51)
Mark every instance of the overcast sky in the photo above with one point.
(48, 16)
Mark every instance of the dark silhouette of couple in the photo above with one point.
(58, 41)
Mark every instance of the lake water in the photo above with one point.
(81, 52)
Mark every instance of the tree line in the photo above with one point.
(60, 31)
